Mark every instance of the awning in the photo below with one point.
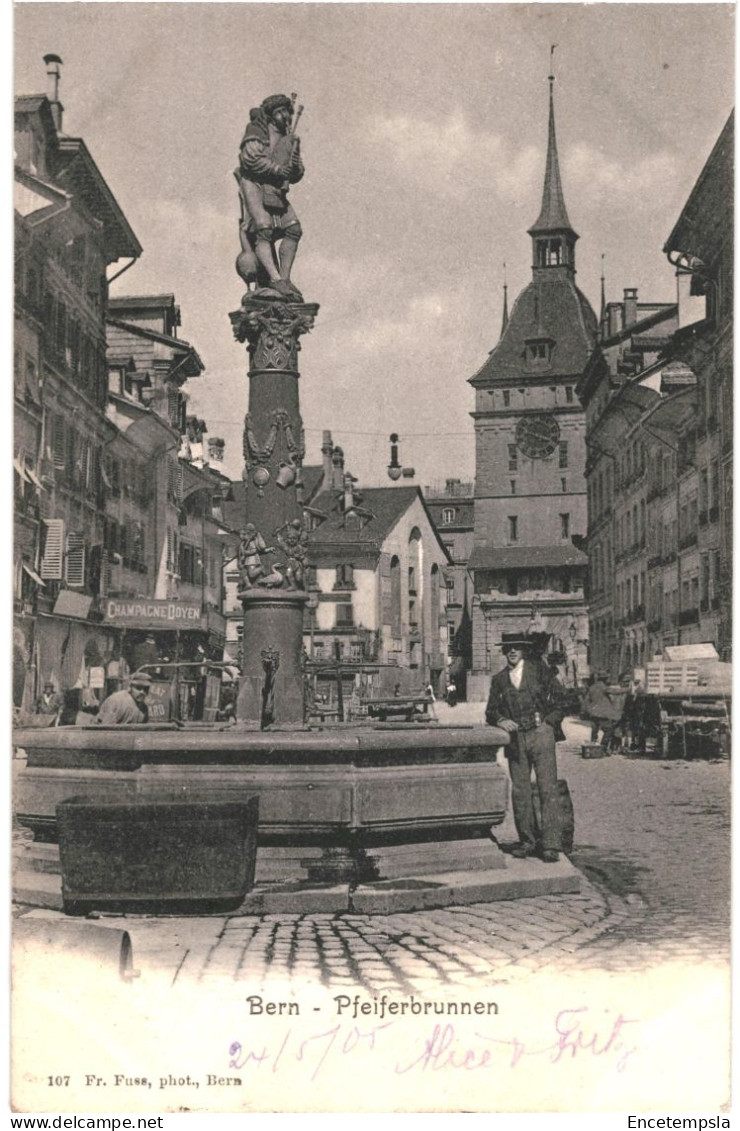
(33, 575)
(21, 470)
(34, 478)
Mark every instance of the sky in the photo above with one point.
(424, 138)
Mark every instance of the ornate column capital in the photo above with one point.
(272, 329)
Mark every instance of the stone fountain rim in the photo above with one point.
(351, 740)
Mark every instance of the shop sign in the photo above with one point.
(143, 613)
(71, 604)
(159, 702)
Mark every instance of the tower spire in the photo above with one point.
(505, 318)
(553, 213)
(602, 313)
(553, 237)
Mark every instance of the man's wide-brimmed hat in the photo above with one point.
(513, 640)
(529, 641)
(141, 680)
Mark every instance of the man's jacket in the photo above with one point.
(542, 685)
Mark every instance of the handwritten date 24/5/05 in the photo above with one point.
(577, 1033)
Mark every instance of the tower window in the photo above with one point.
(569, 394)
(507, 398)
(564, 485)
(549, 253)
(448, 515)
(513, 528)
(565, 526)
(563, 453)
(513, 486)
(513, 458)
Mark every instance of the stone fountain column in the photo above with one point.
(273, 542)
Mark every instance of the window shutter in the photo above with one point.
(69, 458)
(173, 406)
(58, 442)
(51, 566)
(74, 566)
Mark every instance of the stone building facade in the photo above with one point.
(69, 229)
(528, 567)
(108, 488)
(165, 535)
(657, 395)
(378, 572)
(702, 246)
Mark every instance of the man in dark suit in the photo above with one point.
(526, 700)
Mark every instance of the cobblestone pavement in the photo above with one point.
(652, 840)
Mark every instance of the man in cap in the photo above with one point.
(127, 707)
(527, 701)
(49, 702)
(269, 163)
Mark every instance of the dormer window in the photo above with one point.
(448, 515)
(538, 353)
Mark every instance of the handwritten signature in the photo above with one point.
(575, 1034)
(442, 1050)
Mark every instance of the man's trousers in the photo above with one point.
(527, 750)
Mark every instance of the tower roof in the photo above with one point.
(553, 215)
(554, 309)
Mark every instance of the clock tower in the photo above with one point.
(528, 567)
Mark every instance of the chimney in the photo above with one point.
(53, 63)
(615, 312)
(349, 495)
(327, 447)
(337, 460)
(630, 306)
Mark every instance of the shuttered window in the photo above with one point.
(173, 406)
(53, 561)
(71, 472)
(74, 566)
(173, 551)
(58, 442)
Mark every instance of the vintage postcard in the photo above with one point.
(372, 559)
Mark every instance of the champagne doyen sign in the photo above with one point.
(153, 613)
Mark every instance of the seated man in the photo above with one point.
(126, 707)
(50, 702)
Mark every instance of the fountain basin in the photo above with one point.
(370, 818)
(336, 804)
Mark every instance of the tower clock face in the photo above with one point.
(537, 435)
